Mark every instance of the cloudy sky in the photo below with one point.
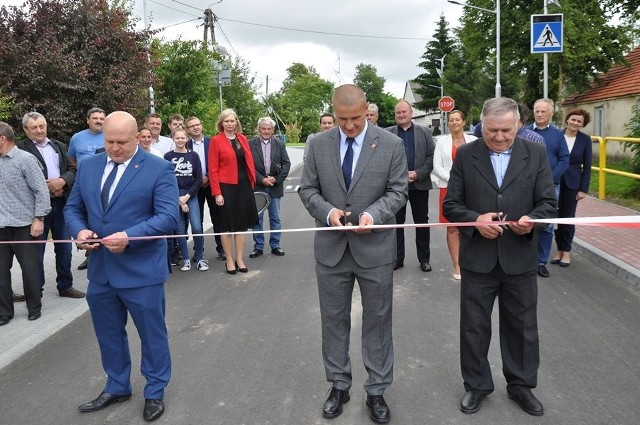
(396, 33)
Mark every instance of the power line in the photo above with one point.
(188, 5)
(179, 23)
(225, 36)
(172, 8)
(325, 32)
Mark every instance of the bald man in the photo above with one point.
(369, 187)
(137, 199)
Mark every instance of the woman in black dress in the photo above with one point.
(232, 176)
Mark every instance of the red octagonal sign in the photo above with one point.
(446, 104)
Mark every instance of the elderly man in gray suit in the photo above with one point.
(419, 147)
(491, 178)
(354, 177)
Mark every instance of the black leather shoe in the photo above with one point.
(153, 409)
(241, 269)
(18, 298)
(425, 267)
(34, 316)
(221, 256)
(333, 406)
(528, 402)
(4, 320)
(277, 251)
(103, 400)
(471, 401)
(397, 265)
(84, 265)
(542, 271)
(378, 409)
(255, 253)
(71, 293)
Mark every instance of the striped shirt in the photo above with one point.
(23, 191)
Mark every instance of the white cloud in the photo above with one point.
(271, 51)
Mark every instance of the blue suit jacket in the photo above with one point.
(206, 151)
(143, 204)
(578, 174)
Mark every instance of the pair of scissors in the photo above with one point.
(502, 218)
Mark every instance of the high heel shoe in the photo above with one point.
(233, 271)
(241, 269)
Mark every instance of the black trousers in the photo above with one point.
(567, 205)
(204, 194)
(419, 200)
(28, 255)
(519, 346)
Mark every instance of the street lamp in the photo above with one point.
(497, 13)
(441, 75)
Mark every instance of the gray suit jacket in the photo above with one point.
(379, 187)
(424, 147)
(280, 165)
(527, 189)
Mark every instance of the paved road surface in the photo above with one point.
(246, 349)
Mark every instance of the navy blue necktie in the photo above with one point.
(106, 188)
(347, 162)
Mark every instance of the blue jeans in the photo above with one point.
(196, 227)
(274, 224)
(54, 222)
(546, 237)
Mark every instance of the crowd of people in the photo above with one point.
(521, 171)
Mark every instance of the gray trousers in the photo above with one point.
(335, 289)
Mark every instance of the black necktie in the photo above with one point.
(347, 163)
(108, 183)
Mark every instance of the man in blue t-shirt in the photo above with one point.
(85, 142)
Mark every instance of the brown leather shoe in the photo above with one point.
(71, 293)
(18, 298)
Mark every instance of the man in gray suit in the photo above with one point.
(491, 178)
(355, 176)
(419, 147)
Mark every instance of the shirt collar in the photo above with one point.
(126, 163)
(359, 139)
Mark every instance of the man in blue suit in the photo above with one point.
(126, 193)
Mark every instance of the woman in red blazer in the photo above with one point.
(574, 183)
(232, 176)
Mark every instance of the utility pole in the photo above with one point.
(208, 26)
(152, 104)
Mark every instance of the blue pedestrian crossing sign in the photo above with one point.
(546, 33)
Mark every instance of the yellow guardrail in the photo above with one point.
(602, 168)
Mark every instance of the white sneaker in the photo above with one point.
(203, 265)
(186, 266)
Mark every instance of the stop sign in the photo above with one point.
(446, 104)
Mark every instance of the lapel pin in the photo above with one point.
(136, 166)
(373, 146)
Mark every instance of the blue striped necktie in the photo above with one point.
(347, 162)
(106, 188)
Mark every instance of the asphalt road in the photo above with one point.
(246, 349)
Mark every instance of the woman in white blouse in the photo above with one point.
(444, 154)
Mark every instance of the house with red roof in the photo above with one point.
(610, 99)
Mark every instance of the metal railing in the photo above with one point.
(602, 168)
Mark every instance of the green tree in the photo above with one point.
(372, 84)
(591, 45)
(185, 81)
(61, 57)
(242, 96)
(304, 96)
(430, 81)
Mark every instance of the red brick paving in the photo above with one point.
(623, 244)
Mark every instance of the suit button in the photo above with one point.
(499, 195)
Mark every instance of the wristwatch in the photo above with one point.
(40, 217)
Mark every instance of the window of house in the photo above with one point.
(598, 121)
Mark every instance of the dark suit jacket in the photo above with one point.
(379, 187)
(424, 147)
(222, 165)
(280, 165)
(527, 189)
(206, 151)
(67, 170)
(578, 174)
(143, 204)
